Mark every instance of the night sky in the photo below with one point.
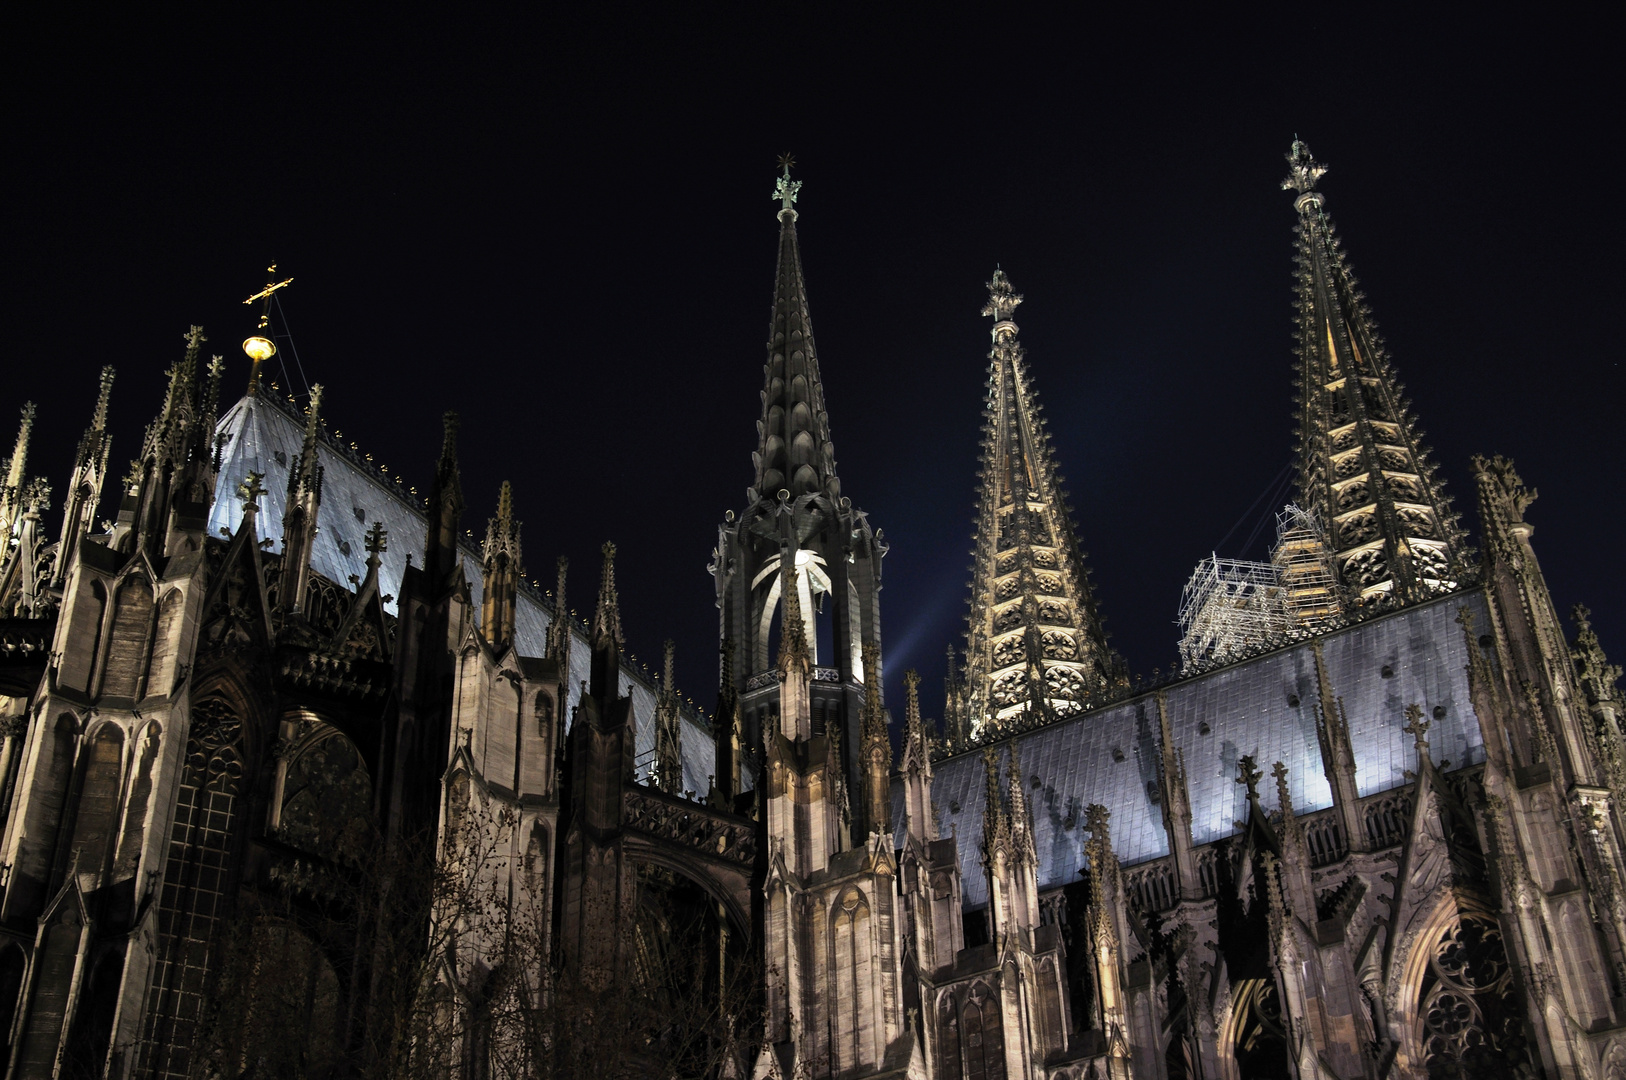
(562, 228)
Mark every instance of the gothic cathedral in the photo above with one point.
(297, 780)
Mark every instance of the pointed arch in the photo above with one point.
(851, 960)
(949, 1063)
(130, 639)
(983, 1035)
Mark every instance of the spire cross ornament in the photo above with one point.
(785, 189)
(265, 294)
(1303, 169)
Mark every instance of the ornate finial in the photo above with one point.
(1284, 801)
(607, 617)
(995, 802)
(1303, 169)
(251, 490)
(1582, 617)
(1248, 773)
(103, 397)
(1002, 299)
(911, 707)
(194, 338)
(1096, 818)
(1417, 727)
(668, 660)
(376, 542)
(785, 189)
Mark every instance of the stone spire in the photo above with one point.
(559, 629)
(174, 443)
(1362, 467)
(1034, 638)
(794, 451)
(85, 487)
(12, 475)
(501, 569)
(668, 731)
(302, 507)
(875, 750)
(725, 727)
(445, 508)
(606, 634)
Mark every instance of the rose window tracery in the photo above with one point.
(1356, 494)
(1008, 651)
(1049, 583)
(1009, 619)
(1470, 1011)
(1064, 683)
(1357, 530)
(1053, 611)
(1005, 589)
(1044, 558)
(1010, 688)
(1345, 467)
(1429, 561)
(1059, 646)
(1343, 440)
(1367, 568)
(1394, 459)
(1007, 563)
(1417, 522)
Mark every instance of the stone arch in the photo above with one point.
(1461, 1003)
(852, 963)
(129, 641)
(1612, 1064)
(327, 797)
(92, 1033)
(457, 808)
(730, 888)
(535, 865)
(982, 1034)
(949, 1063)
(1253, 1041)
(544, 714)
(96, 813)
(79, 661)
(278, 1004)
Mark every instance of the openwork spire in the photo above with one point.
(12, 475)
(1363, 469)
(1035, 649)
(794, 452)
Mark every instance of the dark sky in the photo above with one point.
(562, 228)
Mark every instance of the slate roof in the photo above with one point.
(264, 437)
(1247, 709)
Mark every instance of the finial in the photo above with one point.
(1096, 818)
(103, 397)
(1303, 170)
(505, 504)
(1249, 774)
(1002, 299)
(607, 617)
(251, 490)
(785, 189)
(911, 708)
(1283, 800)
(1582, 616)
(1417, 727)
(376, 542)
(668, 659)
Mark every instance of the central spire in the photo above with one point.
(794, 451)
(1035, 649)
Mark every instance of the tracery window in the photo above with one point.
(1469, 1011)
(196, 885)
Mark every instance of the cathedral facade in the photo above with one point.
(298, 780)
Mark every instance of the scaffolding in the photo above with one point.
(1230, 609)
(1307, 574)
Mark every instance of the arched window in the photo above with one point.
(327, 799)
(544, 714)
(983, 1036)
(197, 885)
(127, 648)
(949, 1066)
(1469, 1008)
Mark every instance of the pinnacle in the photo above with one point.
(607, 617)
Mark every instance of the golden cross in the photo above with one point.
(265, 294)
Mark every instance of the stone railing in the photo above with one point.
(690, 825)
